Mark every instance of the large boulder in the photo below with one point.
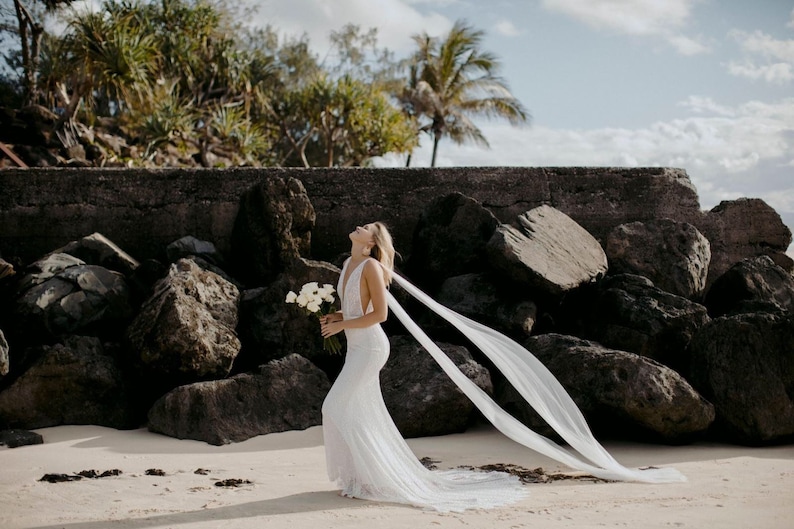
(272, 229)
(96, 249)
(60, 294)
(743, 228)
(186, 330)
(548, 252)
(674, 255)
(76, 381)
(450, 239)
(619, 393)
(285, 394)
(628, 313)
(749, 286)
(421, 398)
(477, 297)
(190, 246)
(744, 364)
(270, 328)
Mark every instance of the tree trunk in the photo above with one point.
(408, 160)
(436, 139)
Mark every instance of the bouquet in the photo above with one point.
(317, 301)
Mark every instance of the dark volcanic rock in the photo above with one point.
(77, 381)
(617, 391)
(421, 398)
(189, 245)
(741, 228)
(285, 394)
(187, 328)
(626, 312)
(272, 229)
(744, 365)
(96, 249)
(477, 297)
(449, 240)
(749, 285)
(674, 255)
(60, 294)
(17, 438)
(548, 252)
(270, 329)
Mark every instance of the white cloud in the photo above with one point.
(777, 73)
(318, 18)
(728, 152)
(645, 18)
(506, 28)
(766, 58)
(701, 105)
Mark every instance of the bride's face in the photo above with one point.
(363, 234)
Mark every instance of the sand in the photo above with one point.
(728, 486)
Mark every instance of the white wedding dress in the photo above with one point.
(368, 458)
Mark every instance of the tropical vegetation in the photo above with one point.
(187, 77)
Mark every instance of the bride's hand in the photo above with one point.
(329, 328)
(333, 316)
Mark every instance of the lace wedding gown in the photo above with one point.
(368, 458)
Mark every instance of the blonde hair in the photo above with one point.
(383, 250)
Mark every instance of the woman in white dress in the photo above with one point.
(365, 453)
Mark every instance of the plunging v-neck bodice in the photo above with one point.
(350, 290)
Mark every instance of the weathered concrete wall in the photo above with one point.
(143, 210)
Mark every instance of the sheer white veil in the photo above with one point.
(536, 385)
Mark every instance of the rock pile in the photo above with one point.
(201, 345)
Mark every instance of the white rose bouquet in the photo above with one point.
(318, 301)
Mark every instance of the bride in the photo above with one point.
(365, 453)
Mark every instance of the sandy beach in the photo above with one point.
(728, 486)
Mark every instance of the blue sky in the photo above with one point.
(705, 85)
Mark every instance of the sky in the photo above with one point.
(703, 85)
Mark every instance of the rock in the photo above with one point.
(6, 269)
(744, 364)
(96, 249)
(626, 312)
(61, 295)
(548, 252)
(449, 240)
(76, 381)
(420, 397)
(189, 245)
(741, 228)
(272, 229)
(17, 438)
(270, 329)
(748, 285)
(285, 394)
(674, 255)
(477, 297)
(616, 391)
(186, 330)
(4, 363)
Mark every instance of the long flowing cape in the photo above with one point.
(536, 385)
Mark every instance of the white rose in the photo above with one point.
(310, 288)
(302, 299)
(329, 298)
(291, 297)
(313, 307)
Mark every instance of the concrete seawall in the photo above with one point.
(143, 210)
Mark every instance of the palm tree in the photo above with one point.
(456, 80)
